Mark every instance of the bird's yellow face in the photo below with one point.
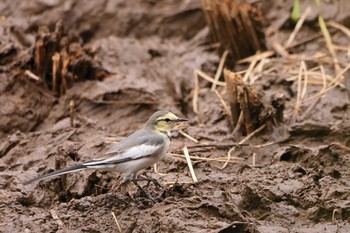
(163, 123)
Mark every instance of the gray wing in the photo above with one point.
(132, 148)
(134, 139)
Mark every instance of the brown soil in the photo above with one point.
(149, 49)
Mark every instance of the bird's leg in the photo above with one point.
(149, 179)
(135, 180)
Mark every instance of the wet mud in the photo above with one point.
(294, 178)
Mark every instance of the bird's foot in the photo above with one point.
(149, 179)
(143, 191)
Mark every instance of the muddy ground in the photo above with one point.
(148, 51)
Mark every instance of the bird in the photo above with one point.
(138, 151)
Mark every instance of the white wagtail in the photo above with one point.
(140, 150)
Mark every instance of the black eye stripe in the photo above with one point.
(166, 119)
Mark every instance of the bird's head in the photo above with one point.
(162, 121)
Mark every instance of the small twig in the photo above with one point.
(303, 93)
(342, 28)
(195, 92)
(333, 214)
(55, 69)
(219, 70)
(298, 100)
(329, 42)
(232, 94)
(31, 75)
(196, 74)
(116, 222)
(270, 53)
(188, 136)
(297, 27)
(332, 84)
(189, 163)
(227, 110)
(249, 71)
(309, 109)
(253, 163)
(208, 78)
(280, 50)
(252, 134)
(55, 217)
(241, 142)
(260, 70)
(71, 112)
(217, 145)
(228, 158)
(316, 76)
(239, 124)
(156, 170)
(219, 159)
(258, 56)
(265, 144)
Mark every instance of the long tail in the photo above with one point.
(72, 169)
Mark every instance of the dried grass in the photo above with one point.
(189, 163)
(309, 79)
(116, 222)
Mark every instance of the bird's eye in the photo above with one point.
(167, 119)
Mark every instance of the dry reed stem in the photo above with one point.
(311, 106)
(208, 78)
(155, 169)
(31, 75)
(342, 28)
(116, 222)
(64, 71)
(303, 93)
(217, 145)
(71, 112)
(251, 134)
(196, 74)
(55, 69)
(231, 88)
(195, 93)
(241, 142)
(329, 44)
(341, 48)
(333, 214)
(297, 27)
(249, 71)
(226, 108)
(239, 124)
(253, 162)
(270, 53)
(188, 136)
(281, 50)
(228, 158)
(189, 163)
(265, 144)
(55, 217)
(331, 85)
(316, 78)
(219, 70)
(298, 100)
(258, 71)
(218, 159)
(258, 56)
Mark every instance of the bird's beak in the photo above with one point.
(180, 119)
